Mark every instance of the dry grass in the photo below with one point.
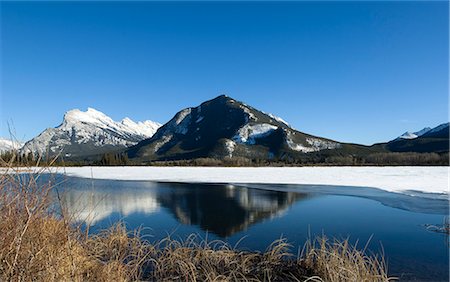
(337, 260)
(38, 243)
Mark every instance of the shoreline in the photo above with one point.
(424, 179)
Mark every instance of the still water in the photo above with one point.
(255, 215)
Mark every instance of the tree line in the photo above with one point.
(12, 158)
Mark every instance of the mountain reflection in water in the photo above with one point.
(220, 209)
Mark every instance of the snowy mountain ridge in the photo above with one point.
(84, 132)
(9, 145)
(413, 135)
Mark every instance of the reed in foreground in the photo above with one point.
(38, 242)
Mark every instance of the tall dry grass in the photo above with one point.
(338, 260)
(39, 243)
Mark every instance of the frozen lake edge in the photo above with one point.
(405, 179)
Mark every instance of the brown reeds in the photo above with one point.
(338, 260)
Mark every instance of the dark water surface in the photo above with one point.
(260, 214)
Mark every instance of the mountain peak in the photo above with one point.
(90, 132)
(91, 116)
(221, 98)
(224, 127)
(414, 135)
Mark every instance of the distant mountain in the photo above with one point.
(9, 145)
(413, 135)
(441, 131)
(431, 140)
(89, 133)
(223, 127)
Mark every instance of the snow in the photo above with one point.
(182, 121)
(394, 179)
(422, 131)
(146, 128)
(320, 144)
(278, 119)
(229, 146)
(300, 147)
(408, 135)
(91, 116)
(414, 135)
(8, 145)
(182, 115)
(164, 140)
(314, 144)
(250, 115)
(91, 126)
(249, 132)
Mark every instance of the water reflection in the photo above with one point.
(93, 205)
(220, 209)
(224, 209)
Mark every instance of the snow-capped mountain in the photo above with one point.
(9, 145)
(413, 135)
(425, 141)
(87, 133)
(223, 127)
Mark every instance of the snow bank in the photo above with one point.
(248, 133)
(394, 179)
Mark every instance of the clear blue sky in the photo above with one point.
(360, 72)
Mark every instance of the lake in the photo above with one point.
(253, 216)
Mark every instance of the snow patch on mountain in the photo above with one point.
(182, 121)
(164, 140)
(278, 119)
(313, 145)
(322, 144)
(249, 132)
(250, 115)
(182, 115)
(147, 128)
(7, 145)
(229, 146)
(414, 135)
(408, 135)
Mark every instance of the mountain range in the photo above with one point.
(426, 140)
(220, 128)
(89, 133)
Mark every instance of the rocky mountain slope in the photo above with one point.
(223, 127)
(89, 133)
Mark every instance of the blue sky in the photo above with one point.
(360, 72)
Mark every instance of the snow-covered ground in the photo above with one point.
(394, 179)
